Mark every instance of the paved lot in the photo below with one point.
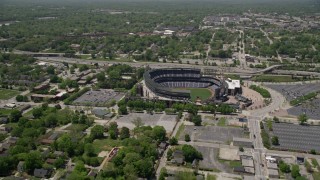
(167, 121)
(297, 137)
(312, 109)
(98, 97)
(212, 133)
(293, 91)
(210, 160)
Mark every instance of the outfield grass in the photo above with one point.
(8, 93)
(202, 93)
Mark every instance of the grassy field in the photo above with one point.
(105, 144)
(202, 93)
(77, 127)
(222, 121)
(277, 78)
(211, 177)
(8, 93)
(5, 111)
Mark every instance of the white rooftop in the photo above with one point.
(233, 84)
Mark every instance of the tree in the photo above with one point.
(21, 98)
(124, 133)
(295, 172)
(313, 151)
(37, 112)
(51, 70)
(173, 141)
(65, 144)
(187, 137)
(15, 115)
(159, 133)
(302, 118)
(145, 168)
(33, 160)
(190, 153)
(276, 119)
(163, 173)
(123, 110)
(285, 168)
(59, 162)
(89, 150)
(275, 140)
(97, 132)
(196, 120)
(51, 120)
(241, 149)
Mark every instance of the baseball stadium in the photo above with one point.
(182, 84)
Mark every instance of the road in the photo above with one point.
(242, 53)
(259, 151)
(277, 102)
(209, 49)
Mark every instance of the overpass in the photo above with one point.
(270, 68)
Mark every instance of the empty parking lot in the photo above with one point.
(167, 121)
(214, 134)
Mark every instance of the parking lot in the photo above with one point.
(312, 109)
(293, 91)
(213, 134)
(297, 137)
(167, 121)
(98, 97)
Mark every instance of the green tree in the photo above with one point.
(285, 168)
(65, 144)
(302, 118)
(145, 168)
(124, 133)
(97, 132)
(123, 110)
(275, 140)
(295, 172)
(313, 151)
(33, 160)
(276, 119)
(196, 120)
(89, 150)
(190, 153)
(173, 141)
(187, 137)
(59, 162)
(37, 112)
(163, 174)
(51, 120)
(159, 133)
(15, 115)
